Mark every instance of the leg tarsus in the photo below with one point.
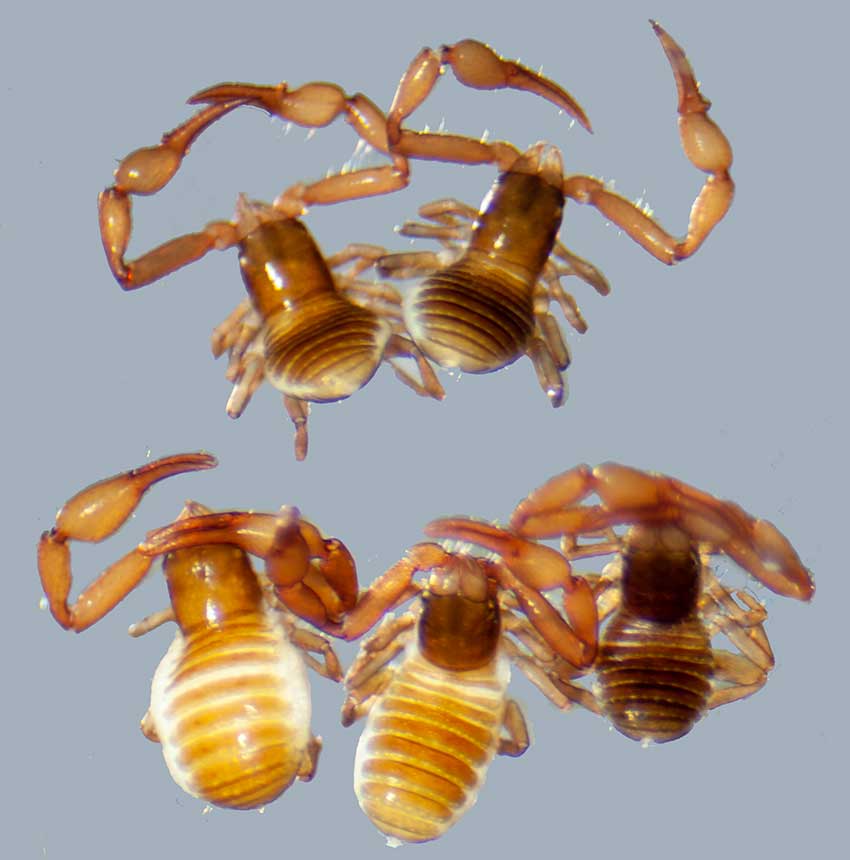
(151, 622)
(553, 337)
(399, 346)
(369, 674)
(582, 268)
(736, 675)
(299, 412)
(307, 641)
(513, 722)
(739, 677)
(562, 676)
(310, 762)
(359, 702)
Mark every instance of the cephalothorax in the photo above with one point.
(656, 671)
(230, 701)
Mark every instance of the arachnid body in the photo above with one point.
(484, 301)
(302, 329)
(314, 336)
(656, 671)
(438, 716)
(230, 701)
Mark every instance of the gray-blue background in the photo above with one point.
(722, 371)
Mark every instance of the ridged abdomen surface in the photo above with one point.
(654, 678)
(473, 316)
(428, 741)
(324, 351)
(232, 711)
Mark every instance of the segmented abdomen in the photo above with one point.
(428, 741)
(472, 315)
(654, 678)
(324, 351)
(231, 708)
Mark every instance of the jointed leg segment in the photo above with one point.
(516, 742)
(370, 673)
(307, 641)
(742, 674)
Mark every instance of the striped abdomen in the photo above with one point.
(324, 350)
(231, 708)
(428, 741)
(654, 678)
(473, 315)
